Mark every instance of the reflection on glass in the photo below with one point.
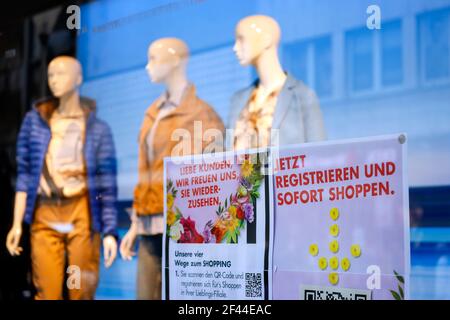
(434, 31)
(391, 53)
(360, 51)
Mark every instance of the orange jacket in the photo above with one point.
(148, 194)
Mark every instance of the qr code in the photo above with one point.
(327, 293)
(253, 285)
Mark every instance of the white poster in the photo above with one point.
(217, 216)
(342, 220)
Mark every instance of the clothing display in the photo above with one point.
(205, 150)
(61, 231)
(99, 158)
(148, 194)
(297, 115)
(255, 121)
(153, 224)
(156, 142)
(65, 170)
(67, 167)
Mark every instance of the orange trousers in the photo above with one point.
(64, 250)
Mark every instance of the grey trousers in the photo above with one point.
(149, 267)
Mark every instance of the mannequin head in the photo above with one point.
(64, 76)
(167, 58)
(255, 36)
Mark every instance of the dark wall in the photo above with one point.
(31, 34)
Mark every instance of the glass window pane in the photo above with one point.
(391, 53)
(295, 56)
(323, 68)
(434, 42)
(359, 44)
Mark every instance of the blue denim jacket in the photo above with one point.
(99, 152)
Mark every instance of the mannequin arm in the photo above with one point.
(106, 175)
(126, 246)
(109, 250)
(15, 233)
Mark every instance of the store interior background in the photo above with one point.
(369, 82)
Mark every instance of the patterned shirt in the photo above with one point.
(254, 125)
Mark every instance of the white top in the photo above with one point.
(64, 157)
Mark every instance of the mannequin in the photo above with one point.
(55, 199)
(177, 109)
(167, 63)
(283, 109)
(257, 40)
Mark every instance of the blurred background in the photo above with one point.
(369, 81)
